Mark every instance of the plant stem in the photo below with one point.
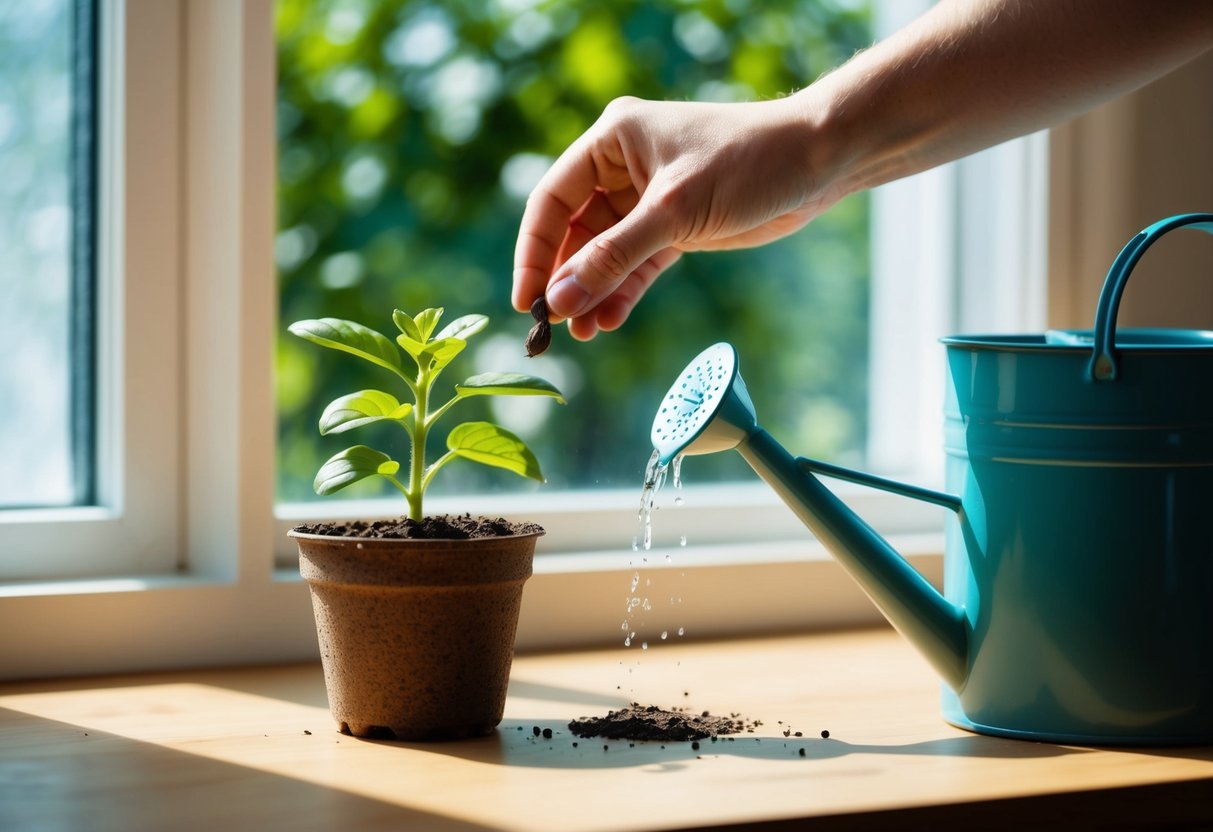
(416, 488)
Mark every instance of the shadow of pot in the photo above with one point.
(416, 636)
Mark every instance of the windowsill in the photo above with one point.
(575, 600)
(256, 749)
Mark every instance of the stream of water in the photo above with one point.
(654, 478)
(638, 602)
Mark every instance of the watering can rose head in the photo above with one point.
(428, 354)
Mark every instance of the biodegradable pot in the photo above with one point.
(416, 636)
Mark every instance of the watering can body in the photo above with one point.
(1081, 554)
(1078, 588)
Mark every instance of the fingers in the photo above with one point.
(603, 210)
(540, 236)
(591, 164)
(615, 309)
(587, 233)
(603, 263)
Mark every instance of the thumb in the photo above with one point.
(591, 275)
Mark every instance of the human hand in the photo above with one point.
(649, 181)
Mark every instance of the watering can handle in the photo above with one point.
(1103, 365)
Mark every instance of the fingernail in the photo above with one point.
(568, 297)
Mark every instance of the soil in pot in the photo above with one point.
(441, 527)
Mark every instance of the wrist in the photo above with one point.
(830, 148)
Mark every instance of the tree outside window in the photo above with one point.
(411, 132)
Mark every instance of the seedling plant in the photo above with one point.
(478, 441)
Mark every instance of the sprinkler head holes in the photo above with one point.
(706, 410)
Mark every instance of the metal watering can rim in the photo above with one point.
(1136, 339)
(708, 409)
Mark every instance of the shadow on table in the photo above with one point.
(59, 776)
(527, 743)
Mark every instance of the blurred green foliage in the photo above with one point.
(410, 132)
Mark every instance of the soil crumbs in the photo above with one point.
(649, 722)
(440, 527)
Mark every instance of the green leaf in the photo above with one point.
(444, 351)
(426, 320)
(350, 466)
(489, 444)
(463, 327)
(350, 337)
(362, 408)
(412, 346)
(439, 352)
(404, 322)
(507, 384)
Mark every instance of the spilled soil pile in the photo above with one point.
(441, 527)
(648, 722)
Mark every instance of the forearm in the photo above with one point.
(972, 73)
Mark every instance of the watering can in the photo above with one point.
(1078, 571)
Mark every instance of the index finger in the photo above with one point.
(564, 189)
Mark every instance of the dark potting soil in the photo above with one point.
(648, 722)
(441, 527)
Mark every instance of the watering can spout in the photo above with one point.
(932, 623)
(708, 410)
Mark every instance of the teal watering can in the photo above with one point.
(1078, 577)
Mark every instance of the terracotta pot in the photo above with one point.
(416, 636)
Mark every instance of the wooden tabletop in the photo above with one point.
(255, 749)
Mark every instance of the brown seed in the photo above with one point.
(538, 339)
(539, 309)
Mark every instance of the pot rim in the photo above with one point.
(418, 541)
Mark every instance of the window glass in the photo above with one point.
(410, 133)
(45, 182)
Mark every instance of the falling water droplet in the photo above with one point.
(665, 634)
(682, 631)
(644, 645)
(682, 541)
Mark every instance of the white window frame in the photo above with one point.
(204, 575)
(134, 527)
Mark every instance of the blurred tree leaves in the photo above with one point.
(410, 132)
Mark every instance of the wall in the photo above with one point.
(1116, 170)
